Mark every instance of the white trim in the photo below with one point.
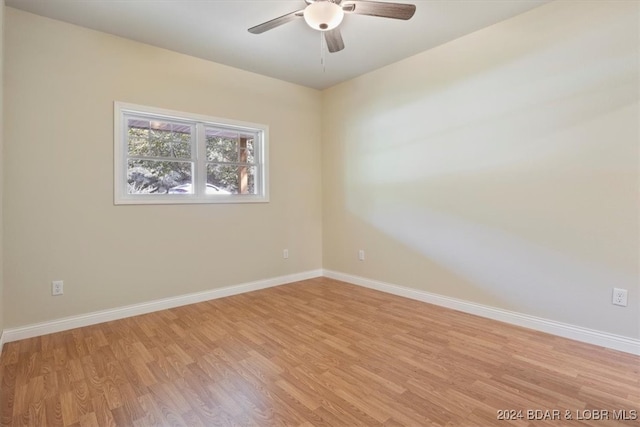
(66, 323)
(578, 333)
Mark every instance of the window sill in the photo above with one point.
(163, 199)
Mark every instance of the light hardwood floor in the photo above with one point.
(312, 353)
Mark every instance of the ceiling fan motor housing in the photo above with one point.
(323, 15)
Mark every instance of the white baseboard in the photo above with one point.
(578, 333)
(72, 322)
(616, 342)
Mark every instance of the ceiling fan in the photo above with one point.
(326, 16)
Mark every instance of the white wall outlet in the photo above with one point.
(361, 255)
(619, 297)
(57, 287)
(285, 254)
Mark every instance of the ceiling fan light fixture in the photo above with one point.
(323, 15)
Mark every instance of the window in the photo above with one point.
(164, 157)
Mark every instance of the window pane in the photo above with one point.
(222, 146)
(138, 137)
(232, 179)
(228, 146)
(158, 177)
(181, 144)
(160, 139)
(246, 150)
(153, 138)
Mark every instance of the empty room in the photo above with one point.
(320, 213)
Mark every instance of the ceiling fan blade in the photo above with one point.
(381, 9)
(334, 40)
(269, 25)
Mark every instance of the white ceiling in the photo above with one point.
(217, 30)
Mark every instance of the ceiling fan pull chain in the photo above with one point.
(322, 52)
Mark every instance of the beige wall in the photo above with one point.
(60, 220)
(500, 168)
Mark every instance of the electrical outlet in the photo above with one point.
(361, 255)
(57, 287)
(285, 254)
(619, 297)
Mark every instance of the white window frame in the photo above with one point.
(198, 122)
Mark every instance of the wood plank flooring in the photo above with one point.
(313, 353)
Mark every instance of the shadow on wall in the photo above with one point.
(521, 178)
